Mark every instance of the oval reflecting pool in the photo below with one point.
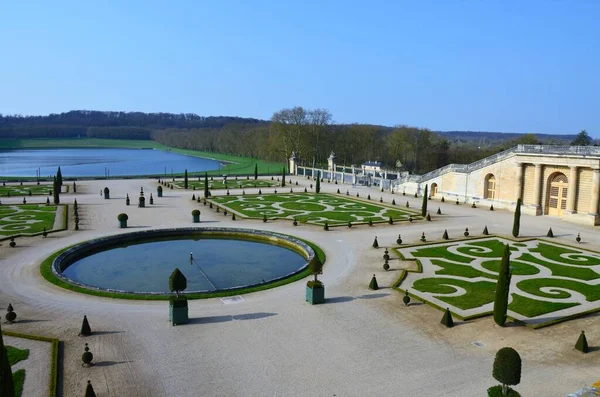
(211, 261)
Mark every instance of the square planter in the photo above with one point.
(315, 295)
(178, 315)
(123, 224)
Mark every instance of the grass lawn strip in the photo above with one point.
(546, 277)
(26, 218)
(15, 354)
(19, 381)
(310, 208)
(23, 190)
(230, 184)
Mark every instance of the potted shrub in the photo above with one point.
(315, 290)
(178, 305)
(122, 220)
(196, 216)
(106, 193)
(159, 191)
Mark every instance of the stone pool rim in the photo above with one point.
(63, 258)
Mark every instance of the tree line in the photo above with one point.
(310, 132)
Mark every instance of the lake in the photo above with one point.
(82, 162)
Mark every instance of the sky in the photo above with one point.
(507, 66)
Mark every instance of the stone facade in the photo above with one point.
(560, 181)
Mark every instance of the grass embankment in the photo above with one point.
(234, 164)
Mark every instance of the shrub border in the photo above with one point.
(53, 381)
(404, 274)
(49, 274)
(64, 227)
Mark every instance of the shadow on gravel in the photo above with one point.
(339, 299)
(107, 332)
(371, 296)
(222, 319)
(30, 321)
(110, 363)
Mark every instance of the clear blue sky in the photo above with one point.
(512, 66)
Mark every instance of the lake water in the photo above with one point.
(99, 162)
(217, 264)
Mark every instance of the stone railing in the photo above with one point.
(565, 150)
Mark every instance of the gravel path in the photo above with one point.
(273, 343)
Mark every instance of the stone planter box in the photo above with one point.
(123, 224)
(315, 295)
(196, 218)
(178, 315)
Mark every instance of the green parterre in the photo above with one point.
(550, 282)
(312, 208)
(230, 184)
(26, 218)
(24, 190)
(16, 355)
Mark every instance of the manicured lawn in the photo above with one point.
(15, 355)
(233, 164)
(25, 190)
(230, 183)
(310, 208)
(26, 218)
(546, 277)
(18, 381)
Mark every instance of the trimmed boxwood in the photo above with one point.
(195, 212)
(122, 217)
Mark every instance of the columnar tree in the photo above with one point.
(205, 185)
(7, 387)
(502, 288)
(424, 206)
(255, 171)
(507, 368)
(517, 221)
(59, 177)
(283, 177)
(185, 179)
(56, 190)
(318, 184)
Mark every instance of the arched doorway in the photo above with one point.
(489, 187)
(434, 189)
(557, 194)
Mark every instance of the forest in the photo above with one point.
(310, 132)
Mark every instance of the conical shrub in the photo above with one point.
(445, 235)
(423, 239)
(447, 319)
(373, 284)
(492, 207)
(89, 390)
(582, 344)
(406, 298)
(550, 233)
(375, 243)
(85, 327)
(326, 226)
(428, 217)
(393, 201)
(439, 211)
(485, 231)
(443, 199)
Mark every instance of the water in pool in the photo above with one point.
(217, 264)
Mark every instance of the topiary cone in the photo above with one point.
(375, 243)
(89, 390)
(485, 231)
(10, 316)
(406, 298)
(445, 235)
(423, 239)
(233, 217)
(393, 202)
(326, 226)
(399, 240)
(373, 284)
(428, 217)
(447, 319)
(85, 327)
(582, 344)
(492, 207)
(439, 211)
(550, 233)
(578, 238)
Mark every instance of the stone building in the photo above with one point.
(559, 181)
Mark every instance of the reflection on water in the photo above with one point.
(97, 162)
(218, 264)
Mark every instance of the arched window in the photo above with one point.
(489, 188)
(434, 190)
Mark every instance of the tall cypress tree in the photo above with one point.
(56, 190)
(517, 221)
(205, 185)
(318, 184)
(283, 177)
(424, 206)
(255, 171)
(185, 179)
(7, 387)
(502, 288)
(59, 177)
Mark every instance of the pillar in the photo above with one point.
(537, 189)
(595, 194)
(572, 190)
(519, 181)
